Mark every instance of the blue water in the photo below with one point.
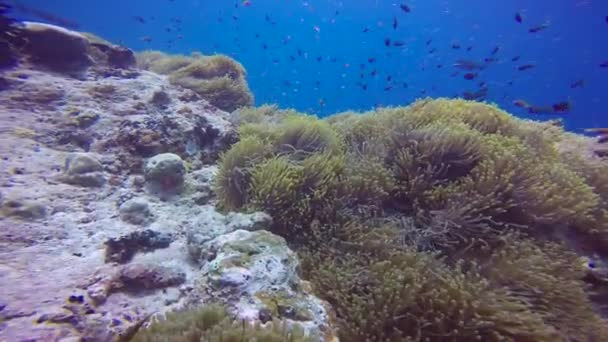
(297, 33)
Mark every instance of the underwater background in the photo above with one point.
(324, 57)
(162, 179)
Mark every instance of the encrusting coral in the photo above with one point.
(218, 79)
(444, 220)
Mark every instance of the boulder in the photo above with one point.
(55, 48)
(83, 169)
(256, 273)
(122, 249)
(165, 173)
(136, 211)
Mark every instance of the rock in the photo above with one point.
(113, 56)
(27, 210)
(259, 272)
(55, 48)
(79, 163)
(7, 57)
(212, 224)
(165, 173)
(83, 169)
(122, 249)
(136, 211)
(135, 277)
(160, 99)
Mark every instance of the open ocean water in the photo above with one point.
(324, 57)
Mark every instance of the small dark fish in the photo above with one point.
(515, 59)
(456, 46)
(428, 42)
(300, 52)
(374, 72)
(319, 58)
(146, 39)
(365, 30)
(257, 35)
(469, 48)
(525, 67)
(538, 28)
(540, 110)
(387, 42)
(395, 23)
(139, 19)
(235, 18)
(371, 60)
(495, 51)
(405, 8)
(561, 107)
(167, 29)
(518, 17)
(600, 130)
(439, 66)
(482, 84)
(478, 95)
(364, 87)
(469, 76)
(265, 47)
(468, 65)
(398, 43)
(604, 64)
(578, 84)
(521, 104)
(432, 51)
(490, 59)
(389, 78)
(404, 85)
(292, 58)
(387, 88)
(362, 65)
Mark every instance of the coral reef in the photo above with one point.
(218, 79)
(408, 214)
(91, 245)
